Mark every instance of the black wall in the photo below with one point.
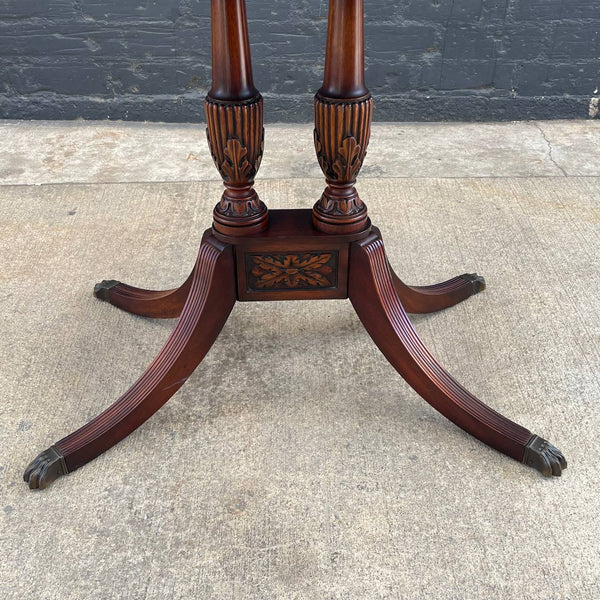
(426, 59)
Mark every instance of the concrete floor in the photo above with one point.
(296, 463)
(114, 152)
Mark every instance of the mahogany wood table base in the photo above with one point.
(252, 254)
(291, 260)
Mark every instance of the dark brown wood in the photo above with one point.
(294, 226)
(289, 228)
(343, 115)
(232, 79)
(431, 298)
(344, 76)
(155, 304)
(290, 270)
(373, 294)
(163, 304)
(329, 252)
(211, 298)
(234, 122)
(292, 261)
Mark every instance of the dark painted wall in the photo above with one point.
(426, 59)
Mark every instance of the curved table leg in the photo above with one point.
(374, 297)
(431, 298)
(211, 297)
(157, 304)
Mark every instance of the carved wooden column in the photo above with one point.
(234, 118)
(343, 114)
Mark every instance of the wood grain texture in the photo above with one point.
(342, 132)
(422, 299)
(156, 304)
(211, 298)
(373, 295)
(235, 136)
(299, 270)
(292, 260)
(344, 75)
(343, 116)
(232, 78)
(242, 259)
(234, 121)
(380, 452)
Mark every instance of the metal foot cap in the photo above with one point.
(45, 468)
(477, 281)
(102, 289)
(543, 456)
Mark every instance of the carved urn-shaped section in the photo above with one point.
(342, 132)
(236, 139)
(343, 114)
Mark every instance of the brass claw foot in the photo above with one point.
(477, 281)
(45, 468)
(102, 289)
(543, 456)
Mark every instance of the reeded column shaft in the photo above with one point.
(343, 115)
(234, 119)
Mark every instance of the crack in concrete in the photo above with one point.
(539, 127)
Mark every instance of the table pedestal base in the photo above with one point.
(290, 260)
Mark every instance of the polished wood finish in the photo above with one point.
(301, 263)
(210, 300)
(373, 295)
(431, 298)
(343, 116)
(372, 289)
(165, 304)
(234, 122)
(342, 132)
(232, 79)
(344, 76)
(236, 138)
(329, 252)
(292, 261)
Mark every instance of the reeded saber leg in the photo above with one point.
(373, 295)
(211, 297)
(156, 304)
(431, 298)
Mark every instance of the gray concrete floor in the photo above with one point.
(296, 463)
(113, 152)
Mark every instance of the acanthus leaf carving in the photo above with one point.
(348, 161)
(293, 271)
(236, 140)
(235, 168)
(321, 157)
(340, 207)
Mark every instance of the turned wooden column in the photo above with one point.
(234, 118)
(343, 115)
